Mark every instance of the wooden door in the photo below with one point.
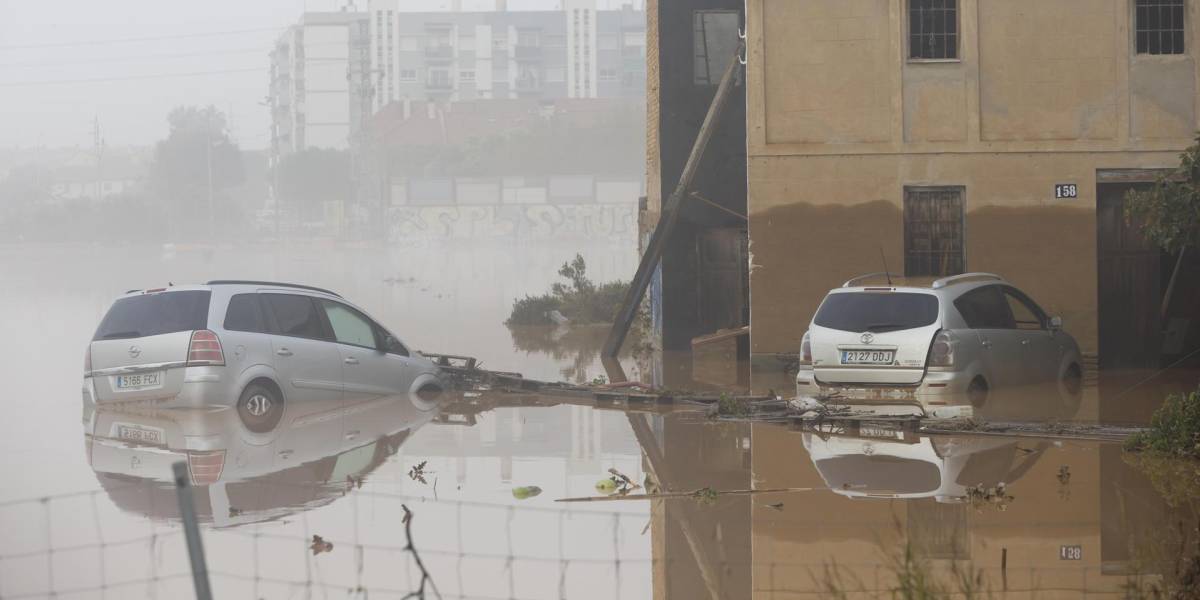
(724, 279)
(1129, 285)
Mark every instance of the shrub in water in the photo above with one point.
(1174, 428)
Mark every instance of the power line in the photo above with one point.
(152, 38)
(129, 78)
(150, 57)
(54, 63)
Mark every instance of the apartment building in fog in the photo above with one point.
(574, 52)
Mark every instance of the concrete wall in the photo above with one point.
(839, 122)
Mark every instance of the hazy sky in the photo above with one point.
(128, 62)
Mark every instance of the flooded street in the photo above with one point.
(90, 509)
(600, 299)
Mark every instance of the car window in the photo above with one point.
(1024, 315)
(877, 312)
(295, 316)
(349, 325)
(243, 314)
(985, 308)
(155, 314)
(389, 342)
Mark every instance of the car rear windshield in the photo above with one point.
(877, 311)
(155, 314)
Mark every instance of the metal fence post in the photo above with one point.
(191, 530)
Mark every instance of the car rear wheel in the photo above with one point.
(977, 392)
(1070, 389)
(260, 407)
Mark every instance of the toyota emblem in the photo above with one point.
(867, 338)
(134, 351)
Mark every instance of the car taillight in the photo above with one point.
(205, 467)
(805, 350)
(941, 351)
(205, 349)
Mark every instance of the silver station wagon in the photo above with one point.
(964, 340)
(259, 346)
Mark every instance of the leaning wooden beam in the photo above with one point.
(695, 494)
(684, 515)
(670, 213)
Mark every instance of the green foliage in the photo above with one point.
(1169, 212)
(532, 310)
(578, 298)
(1174, 428)
(729, 406)
(311, 177)
(915, 579)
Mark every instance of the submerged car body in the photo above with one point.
(258, 345)
(879, 465)
(315, 455)
(959, 341)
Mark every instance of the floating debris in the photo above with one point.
(998, 496)
(418, 472)
(705, 495)
(526, 491)
(1064, 474)
(777, 506)
(320, 546)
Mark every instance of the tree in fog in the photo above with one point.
(312, 177)
(194, 168)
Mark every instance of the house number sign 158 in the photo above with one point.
(1066, 190)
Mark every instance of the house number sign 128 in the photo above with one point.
(1066, 190)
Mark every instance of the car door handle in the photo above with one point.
(351, 434)
(987, 343)
(351, 360)
(1024, 342)
(283, 352)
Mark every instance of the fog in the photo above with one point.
(545, 299)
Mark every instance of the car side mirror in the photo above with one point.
(393, 346)
(1056, 323)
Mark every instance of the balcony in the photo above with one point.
(439, 85)
(441, 53)
(527, 53)
(528, 84)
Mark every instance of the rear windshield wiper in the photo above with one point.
(120, 334)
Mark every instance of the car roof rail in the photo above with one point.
(272, 284)
(945, 281)
(854, 280)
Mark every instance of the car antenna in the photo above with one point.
(887, 273)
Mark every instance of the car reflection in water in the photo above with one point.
(318, 451)
(884, 463)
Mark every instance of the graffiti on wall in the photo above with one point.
(533, 221)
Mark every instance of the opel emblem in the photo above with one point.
(867, 338)
(134, 351)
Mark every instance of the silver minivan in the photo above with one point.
(959, 341)
(256, 345)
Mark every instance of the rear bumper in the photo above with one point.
(936, 388)
(185, 387)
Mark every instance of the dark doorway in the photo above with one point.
(723, 293)
(1129, 282)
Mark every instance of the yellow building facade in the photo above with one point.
(944, 136)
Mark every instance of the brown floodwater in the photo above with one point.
(86, 514)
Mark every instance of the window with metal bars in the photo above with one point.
(933, 29)
(1159, 26)
(933, 231)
